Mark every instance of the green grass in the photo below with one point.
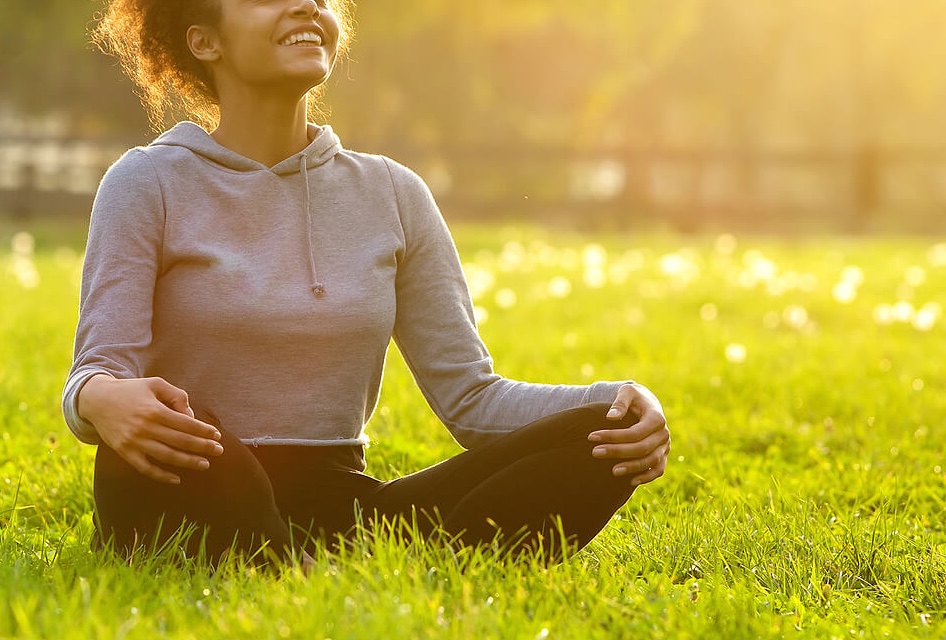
(806, 495)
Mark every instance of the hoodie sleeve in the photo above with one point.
(122, 261)
(435, 330)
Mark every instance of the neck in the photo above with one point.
(268, 131)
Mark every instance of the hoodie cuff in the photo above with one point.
(81, 428)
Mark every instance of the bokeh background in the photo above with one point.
(768, 116)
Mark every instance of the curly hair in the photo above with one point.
(148, 37)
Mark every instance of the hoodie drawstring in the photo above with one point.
(317, 286)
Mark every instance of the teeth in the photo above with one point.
(308, 37)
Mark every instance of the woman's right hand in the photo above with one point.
(148, 421)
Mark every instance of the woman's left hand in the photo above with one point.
(642, 447)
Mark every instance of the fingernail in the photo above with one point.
(217, 435)
(594, 437)
(599, 452)
(203, 465)
(614, 413)
(620, 471)
(218, 449)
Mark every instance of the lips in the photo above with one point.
(310, 38)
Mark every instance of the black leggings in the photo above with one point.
(525, 490)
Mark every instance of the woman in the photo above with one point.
(256, 274)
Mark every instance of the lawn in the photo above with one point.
(805, 498)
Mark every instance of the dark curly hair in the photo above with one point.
(149, 39)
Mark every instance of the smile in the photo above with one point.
(306, 38)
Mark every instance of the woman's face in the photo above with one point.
(276, 44)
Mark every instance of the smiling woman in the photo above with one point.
(147, 38)
(243, 281)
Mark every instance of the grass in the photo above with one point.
(805, 497)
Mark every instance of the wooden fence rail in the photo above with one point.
(861, 190)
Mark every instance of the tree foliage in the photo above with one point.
(690, 72)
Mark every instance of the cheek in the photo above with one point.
(331, 25)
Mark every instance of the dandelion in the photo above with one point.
(760, 267)
(23, 244)
(853, 274)
(24, 271)
(587, 370)
(926, 317)
(937, 255)
(559, 287)
(915, 276)
(903, 311)
(844, 292)
(506, 298)
(594, 255)
(883, 314)
(709, 312)
(795, 316)
(595, 277)
(680, 267)
(918, 384)
(512, 256)
(673, 264)
(736, 353)
(480, 314)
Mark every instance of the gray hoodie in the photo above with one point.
(270, 294)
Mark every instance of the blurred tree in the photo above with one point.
(47, 66)
(456, 83)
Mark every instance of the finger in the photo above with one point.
(166, 455)
(181, 416)
(187, 424)
(621, 403)
(644, 467)
(648, 476)
(640, 450)
(145, 467)
(629, 397)
(651, 421)
(187, 443)
(170, 395)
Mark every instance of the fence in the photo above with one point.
(866, 190)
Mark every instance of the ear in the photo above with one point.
(203, 43)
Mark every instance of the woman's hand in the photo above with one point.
(148, 421)
(643, 447)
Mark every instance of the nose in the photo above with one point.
(307, 8)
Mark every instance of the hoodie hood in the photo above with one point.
(323, 146)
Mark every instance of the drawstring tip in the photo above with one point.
(318, 289)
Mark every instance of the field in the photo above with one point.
(805, 498)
